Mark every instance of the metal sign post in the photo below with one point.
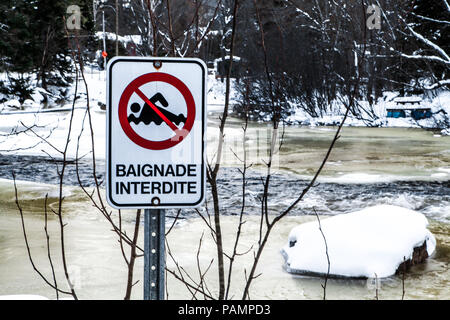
(155, 146)
(154, 253)
(156, 132)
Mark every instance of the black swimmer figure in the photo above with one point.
(148, 115)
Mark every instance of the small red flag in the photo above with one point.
(104, 54)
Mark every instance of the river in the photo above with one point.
(369, 166)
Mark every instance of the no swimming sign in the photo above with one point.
(156, 132)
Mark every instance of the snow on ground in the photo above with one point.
(335, 116)
(96, 80)
(40, 98)
(216, 93)
(53, 123)
(368, 243)
(135, 38)
(54, 128)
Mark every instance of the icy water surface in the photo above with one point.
(429, 197)
(360, 155)
(99, 271)
(405, 167)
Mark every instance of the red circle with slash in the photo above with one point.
(133, 87)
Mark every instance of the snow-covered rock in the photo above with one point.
(369, 243)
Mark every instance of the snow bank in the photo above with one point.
(440, 107)
(368, 243)
(216, 93)
(54, 127)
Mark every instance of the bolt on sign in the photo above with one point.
(156, 126)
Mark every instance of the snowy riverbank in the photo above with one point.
(62, 98)
(439, 105)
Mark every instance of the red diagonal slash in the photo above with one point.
(160, 114)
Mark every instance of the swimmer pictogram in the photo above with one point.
(148, 111)
(147, 114)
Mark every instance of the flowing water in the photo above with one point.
(369, 166)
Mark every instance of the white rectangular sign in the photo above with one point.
(155, 149)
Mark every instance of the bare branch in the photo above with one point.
(324, 286)
(27, 244)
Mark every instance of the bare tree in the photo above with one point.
(324, 285)
(94, 196)
(58, 212)
(165, 38)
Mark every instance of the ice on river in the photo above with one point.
(369, 243)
